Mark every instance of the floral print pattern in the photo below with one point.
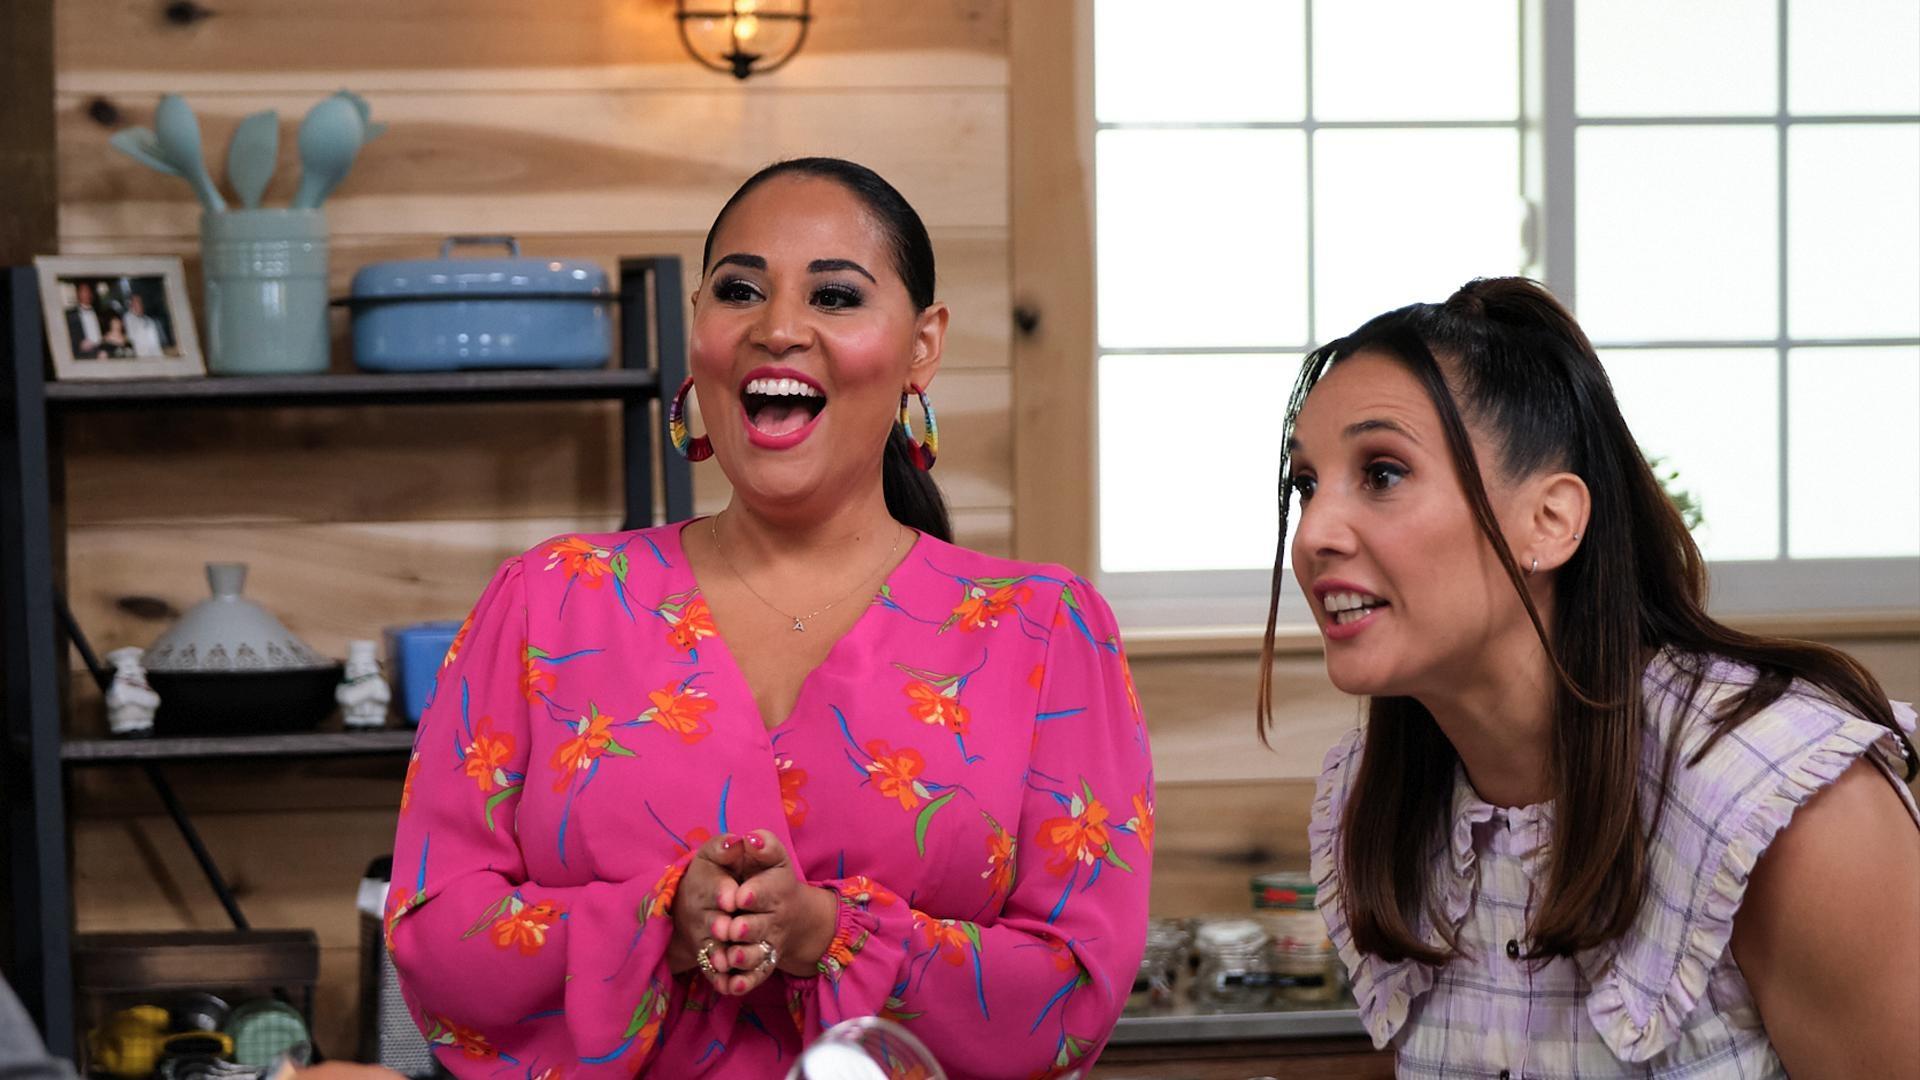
(957, 774)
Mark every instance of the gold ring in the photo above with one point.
(772, 956)
(705, 957)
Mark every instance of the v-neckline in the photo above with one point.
(732, 664)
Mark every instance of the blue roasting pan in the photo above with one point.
(445, 314)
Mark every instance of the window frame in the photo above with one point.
(1057, 361)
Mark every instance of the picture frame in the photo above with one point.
(118, 317)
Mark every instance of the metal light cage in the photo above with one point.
(732, 25)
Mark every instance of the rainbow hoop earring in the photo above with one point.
(924, 450)
(691, 448)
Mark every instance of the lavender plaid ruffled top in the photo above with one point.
(1666, 1000)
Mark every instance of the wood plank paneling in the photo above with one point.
(1200, 717)
(568, 162)
(1211, 838)
(413, 463)
(508, 45)
(328, 582)
(972, 273)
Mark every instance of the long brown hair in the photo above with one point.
(1527, 375)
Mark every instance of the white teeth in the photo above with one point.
(781, 388)
(1348, 600)
(1343, 603)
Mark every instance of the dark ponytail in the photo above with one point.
(912, 497)
(1517, 364)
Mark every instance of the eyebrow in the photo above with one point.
(1361, 427)
(751, 262)
(817, 266)
(822, 266)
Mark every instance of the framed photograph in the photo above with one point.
(118, 317)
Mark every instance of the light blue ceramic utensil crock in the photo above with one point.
(266, 290)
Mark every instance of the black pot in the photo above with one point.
(243, 702)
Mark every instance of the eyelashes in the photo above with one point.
(834, 296)
(1377, 477)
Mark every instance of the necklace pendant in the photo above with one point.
(799, 627)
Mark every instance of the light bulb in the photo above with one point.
(745, 26)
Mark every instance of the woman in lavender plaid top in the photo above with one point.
(1586, 831)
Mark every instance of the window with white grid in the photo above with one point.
(1725, 190)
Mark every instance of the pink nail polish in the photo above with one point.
(754, 839)
(746, 899)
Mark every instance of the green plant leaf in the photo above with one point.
(925, 819)
(496, 799)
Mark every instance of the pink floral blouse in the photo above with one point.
(968, 769)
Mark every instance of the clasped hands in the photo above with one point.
(742, 913)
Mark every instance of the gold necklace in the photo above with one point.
(799, 621)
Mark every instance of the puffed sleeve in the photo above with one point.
(495, 966)
(1036, 988)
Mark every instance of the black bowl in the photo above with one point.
(243, 702)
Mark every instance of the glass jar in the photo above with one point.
(1300, 955)
(1167, 946)
(1234, 968)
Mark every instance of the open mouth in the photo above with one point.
(1347, 607)
(781, 406)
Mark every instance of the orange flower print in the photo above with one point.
(930, 705)
(584, 563)
(999, 871)
(644, 1028)
(982, 609)
(792, 779)
(399, 900)
(1038, 676)
(1083, 837)
(694, 625)
(487, 755)
(527, 927)
(897, 774)
(944, 936)
(1062, 957)
(1133, 695)
(406, 789)
(1142, 821)
(841, 951)
(862, 891)
(459, 641)
(534, 679)
(470, 1042)
(659, 902)
(591, 739)
(683, 712)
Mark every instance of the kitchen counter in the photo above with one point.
(1191, 1042)
(1185, 1022)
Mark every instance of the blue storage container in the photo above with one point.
(446, 313)
(414, 655)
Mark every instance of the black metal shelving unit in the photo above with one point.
(36, 753)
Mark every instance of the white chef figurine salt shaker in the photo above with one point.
(130, 701)
(363, 696)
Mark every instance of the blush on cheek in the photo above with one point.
(862, 355)
(710, 346)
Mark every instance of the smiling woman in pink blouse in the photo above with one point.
(688, 796)
(1586, 831)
